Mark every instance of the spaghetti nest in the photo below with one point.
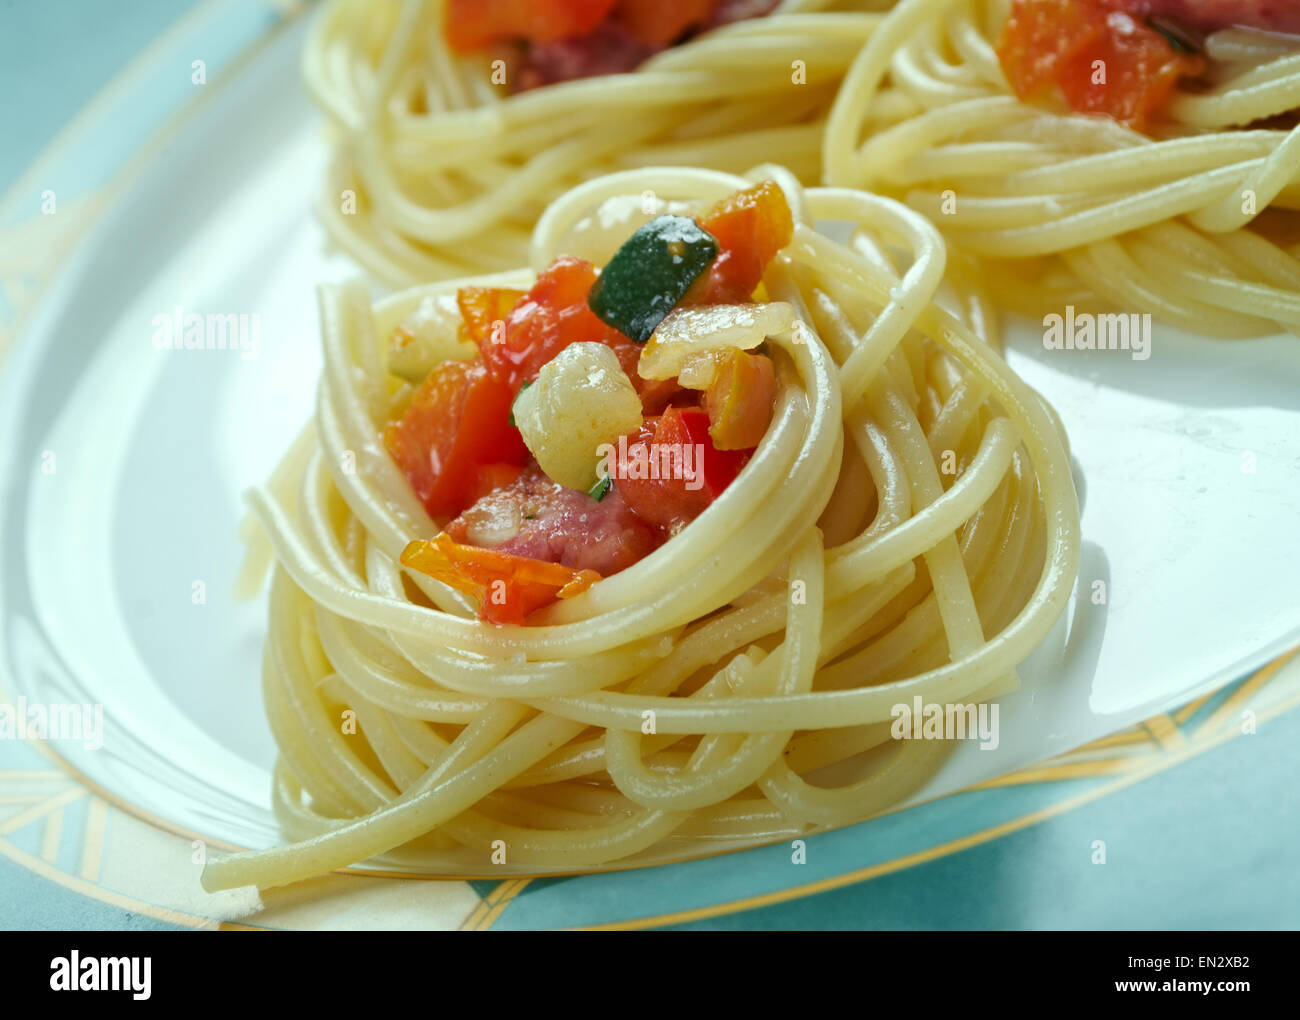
(439, 171)
(907, 527)
(1197, 224)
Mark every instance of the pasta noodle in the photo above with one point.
(405, 200)
(845, 571)
(1071, 209)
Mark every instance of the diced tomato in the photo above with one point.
(740, 400)
(751, 227)
(482, 307)
(476, 24)
(545, 320)
(1142, 71)
(720, 466)
(665, 502)
(540, 324)
(490, 477)
(654, 393)
(1039, 36)
(457, 421)
(508, 588)
(687, 482)
(659, 24)
(1105, 61)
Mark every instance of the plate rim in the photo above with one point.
(105, 195)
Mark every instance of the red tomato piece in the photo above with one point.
(490, 477)
(751, 227)
(1141, 71)
(541, 323)
(1039, 36)
(457, 421)
(664, 501)
(537, 325)
(1104, 61)
(655, 394)
(664, 483)
(476, 24)
(720, 466)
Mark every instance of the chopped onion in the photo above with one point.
(427, 337)
(582, 399)
(688, 333)
(492, 522)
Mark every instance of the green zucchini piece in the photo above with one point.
(648, 275)
(601, 489)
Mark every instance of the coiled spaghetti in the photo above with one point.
(907, 527)
(1072, 209)
(439, 172)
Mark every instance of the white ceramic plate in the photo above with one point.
(116, 566)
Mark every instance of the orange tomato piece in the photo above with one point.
(481, 308)
(507, 588)
(740, 400)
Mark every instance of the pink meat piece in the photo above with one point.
(1210, 15)
(610, 49)
(560, 525)
(729, 11)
